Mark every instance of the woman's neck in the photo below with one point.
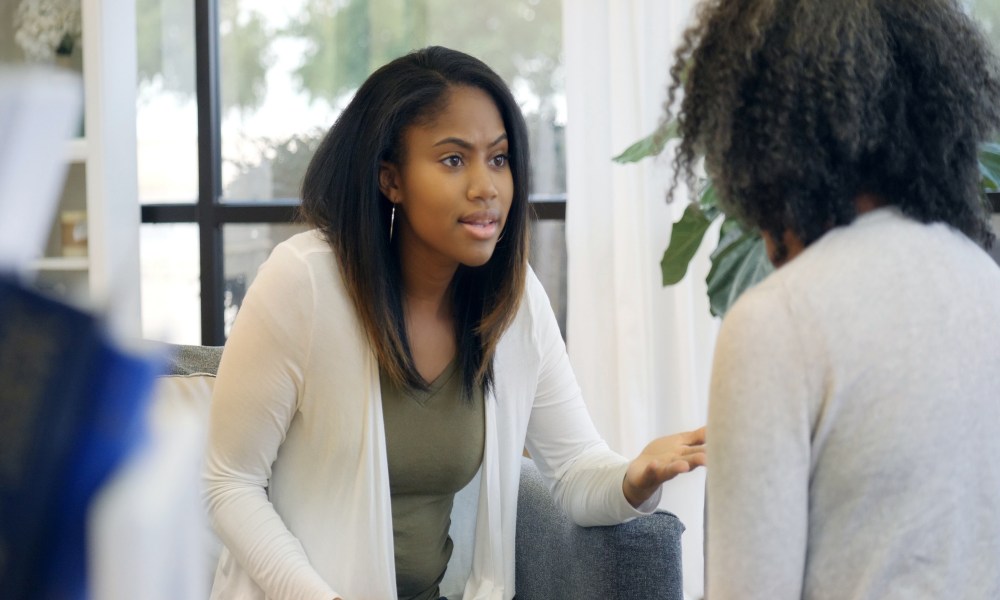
(793, 245)
(426, 286)
(430, 317)
(425, 278)
(868, 202)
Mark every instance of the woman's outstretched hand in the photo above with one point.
(661, 460)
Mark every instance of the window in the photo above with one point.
(236, 94)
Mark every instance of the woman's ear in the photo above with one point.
(388, 181)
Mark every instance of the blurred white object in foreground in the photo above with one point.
(149, 536)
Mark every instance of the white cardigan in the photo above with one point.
(296, 477)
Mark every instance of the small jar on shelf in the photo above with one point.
(73, 232)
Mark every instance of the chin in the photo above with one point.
(478, 262)
(478, 259)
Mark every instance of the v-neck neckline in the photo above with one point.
(422, 396)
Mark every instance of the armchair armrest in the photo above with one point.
(556, 558)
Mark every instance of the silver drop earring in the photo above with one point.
(392, 221)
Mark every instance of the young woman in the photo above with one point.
(855, 404)
(382, 360)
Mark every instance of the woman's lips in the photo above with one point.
(481, 225)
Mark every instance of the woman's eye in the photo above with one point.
(453, 161)
(500, 160)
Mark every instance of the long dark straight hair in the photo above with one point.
(341, 197)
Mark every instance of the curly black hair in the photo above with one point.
(800, 106)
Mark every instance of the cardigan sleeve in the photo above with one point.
(759, 438)
(585, 476)
(256, 396)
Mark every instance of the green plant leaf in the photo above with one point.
(739, 262)
(685, 238)
(709, 201)
(650, 145)
(989, 166)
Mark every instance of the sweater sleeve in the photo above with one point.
(759, 453)
(255, 399)
(584, 475)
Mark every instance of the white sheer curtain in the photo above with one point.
(641, 352)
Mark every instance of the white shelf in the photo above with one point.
(76, 150)
(61, 263)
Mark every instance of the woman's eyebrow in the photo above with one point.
(468, 146)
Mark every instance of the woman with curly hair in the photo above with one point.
(854, 416)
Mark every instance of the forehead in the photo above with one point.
(468, 113)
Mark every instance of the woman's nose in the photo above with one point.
(481, 184)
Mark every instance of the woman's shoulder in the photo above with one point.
(534, 298)
(305, 243)
(307, 251)
(304, 259)
(534, 311)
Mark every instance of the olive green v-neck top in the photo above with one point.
(434, 445)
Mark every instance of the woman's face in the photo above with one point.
(454, 187)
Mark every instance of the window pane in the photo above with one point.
(166, 108)
(289, 68)
(547, 256)
(171, 290)
(246, 246)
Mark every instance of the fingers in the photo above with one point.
(657, 473)
(668, 457)
(697, 459)
(641, 481)
(686, 450)
(696, 437)
(690, 459)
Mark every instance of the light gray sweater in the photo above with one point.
(854, 422)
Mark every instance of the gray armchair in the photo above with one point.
(555, 558)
